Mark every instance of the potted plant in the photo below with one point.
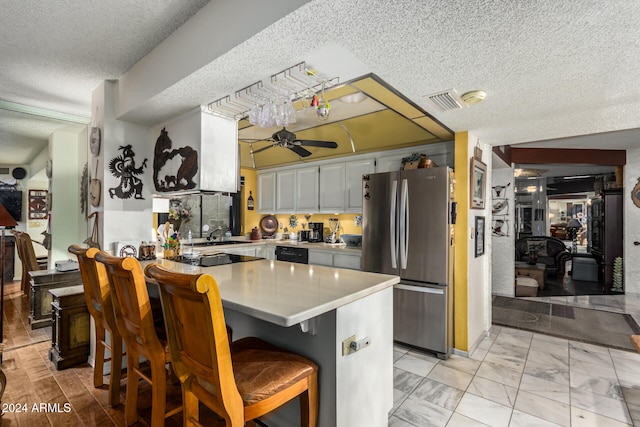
(178, 213)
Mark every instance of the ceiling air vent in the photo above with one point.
(4, 171)
(446, 100)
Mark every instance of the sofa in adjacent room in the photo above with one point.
(550, 250)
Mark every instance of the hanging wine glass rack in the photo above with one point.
(271, 103)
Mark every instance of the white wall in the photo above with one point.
(127, 219)
(503, 247)
(67, 149)
(479, 271)
(631, 233)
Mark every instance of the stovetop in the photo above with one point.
(218, 259)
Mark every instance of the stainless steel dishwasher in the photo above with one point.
(292, 254)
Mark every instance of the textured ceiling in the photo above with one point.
(552, 70)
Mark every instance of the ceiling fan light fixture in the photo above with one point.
(474, 97)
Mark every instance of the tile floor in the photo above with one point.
(520, 378)
(513, 378)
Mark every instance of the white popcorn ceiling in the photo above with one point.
(551, 69)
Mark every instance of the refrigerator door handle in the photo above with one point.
(421, 289)
(392, 223)
(404, 223)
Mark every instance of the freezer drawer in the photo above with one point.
(420, 317)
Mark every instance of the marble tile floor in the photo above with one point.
(520, 378)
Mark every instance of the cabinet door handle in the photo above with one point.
(636, 243)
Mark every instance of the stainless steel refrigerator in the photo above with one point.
(408, 221)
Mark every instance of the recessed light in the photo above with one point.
(352, 98)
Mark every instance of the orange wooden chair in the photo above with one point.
(240, 381)
(134, 318)
(100, 305)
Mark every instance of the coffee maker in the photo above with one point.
(316, 231)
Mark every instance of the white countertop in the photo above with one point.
(286, 293)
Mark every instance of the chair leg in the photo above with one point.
(309, 403)
(131, 405)
(190, 405)
(116, 369)
(98, 367)
(158, 391)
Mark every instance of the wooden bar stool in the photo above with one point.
(100, 305)
(134, 318)
(240, 381)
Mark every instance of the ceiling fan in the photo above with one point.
(286, 139)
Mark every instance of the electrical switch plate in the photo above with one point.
(346, 345)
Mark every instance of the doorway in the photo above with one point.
(566, 239)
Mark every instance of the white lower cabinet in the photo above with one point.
(266, 251)
(334, 259)
(346, 261)
(241, 251)
(320, 258)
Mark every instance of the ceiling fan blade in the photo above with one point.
(299, 151)
(254, 139)
(313, 143)
(263, 148)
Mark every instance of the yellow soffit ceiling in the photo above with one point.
(385, 121)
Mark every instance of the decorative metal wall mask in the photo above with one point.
(124, 168)
(173, 169)
(84, 189)
(635, 194)
(500, 210)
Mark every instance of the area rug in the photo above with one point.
(574, 323)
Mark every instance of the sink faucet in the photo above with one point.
(211, 235)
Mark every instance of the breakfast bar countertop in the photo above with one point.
(286, 293)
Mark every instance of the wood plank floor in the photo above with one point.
(33, 382)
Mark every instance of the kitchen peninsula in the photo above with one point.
(312, 309)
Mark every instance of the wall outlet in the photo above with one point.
(346, 345)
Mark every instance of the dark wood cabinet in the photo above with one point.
(605, 231)
(70, 327)
(40, 298)
(8, 257)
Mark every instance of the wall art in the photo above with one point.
(84, 189)
(173, 169)
(38, 204)
(635, 194)
(500, 210)
(480, 224)
(478, 182)
(124, 168)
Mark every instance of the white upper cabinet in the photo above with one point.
(307, 190)
(286, 191)
(353, 191)
(267, 192)
(332, 187)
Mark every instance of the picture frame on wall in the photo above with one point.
(38, 204)
(480, 233)
(478, 183)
